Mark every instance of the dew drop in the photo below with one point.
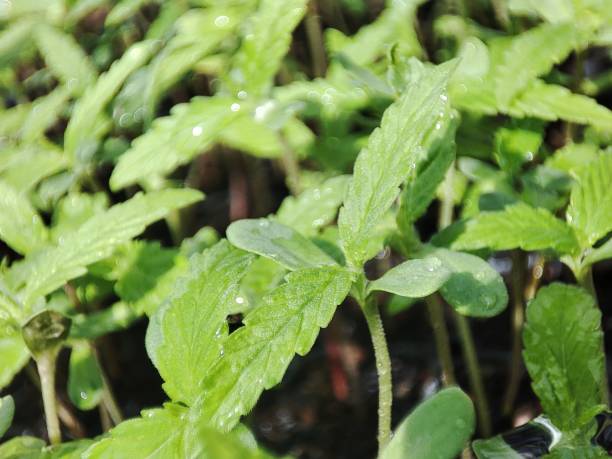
(221, 21)
(235, 107)
(83, 395)
(242, 94)
(197, 131)
(239, 300)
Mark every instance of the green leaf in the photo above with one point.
(563, 354)
(278, 242)
(517, 145)
(22, 448)
(393, 150)
(494, 448)
(314, 208)
(474, 287)
(81, 130)
(267, 37)
(421, 187)
(578, 452)
(191, 128)
(14, 38)
(590, 209)
(95, 240)
(163, 433)
(256, 356)
(85, 385)
(413, 278)
(44, 114)
(438, 428)
(65, 58)
(32, 164)
(529, 55)
(91, 326)
(68, 450)
(192, 325)
(13, 354)
(7, 411)
(20, 225)
(123, 10)
(552, 102)
(518, 225)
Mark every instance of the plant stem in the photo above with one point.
(383, 367)
(469, 352)
(520, 295)
(435, 307)
(46, 370)
(291, 166)
(314, 35)
(445, 218)
(108, 399)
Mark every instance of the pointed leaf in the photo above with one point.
(13, 354)
(266, 41)
(278, 242)
(590, 209)
(81, 130)
(174, 140)
(563, 354)
(413, 278)
(531, 54)
(95, 240)
(314, 208)
(518, 225)
(256, 356)
(20, 225)
(474, 288)
(192, 323)
(65, 58)
(44, 114)
(393, 150)
(438, 428)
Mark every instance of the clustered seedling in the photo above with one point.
(423, 108)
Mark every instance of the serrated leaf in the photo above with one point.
(552, 102)
(85, 384)
(20, 225)
(81, 130)
(31, 165)
(579, 452)
(13, 354)
(74, 210)
(68, 450)
(255, 357)
(572, 157)
(529, 55)
(91, 326)
(44, 114)
(413, 278)
(278, 242)
(421, 187)
(266, 41)
(438, 428)
(590, 209)
(563, 353)
(392, 151)
(192, 325)
(65, 58)
(7, 411)
(518, 225)
(164, 433)
(95, 240)
(474, 288)
(314, 208)
(174, 140)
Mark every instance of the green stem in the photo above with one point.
(469, 351)
(445, 218)
(383, 367)
(108, 399)
(314, 34)
(46, 370)
(436, 317)
(291, 166)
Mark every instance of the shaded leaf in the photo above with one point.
(438, 428)
(85, 384)
(563, 343)
(13, 354)
(7, 411)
